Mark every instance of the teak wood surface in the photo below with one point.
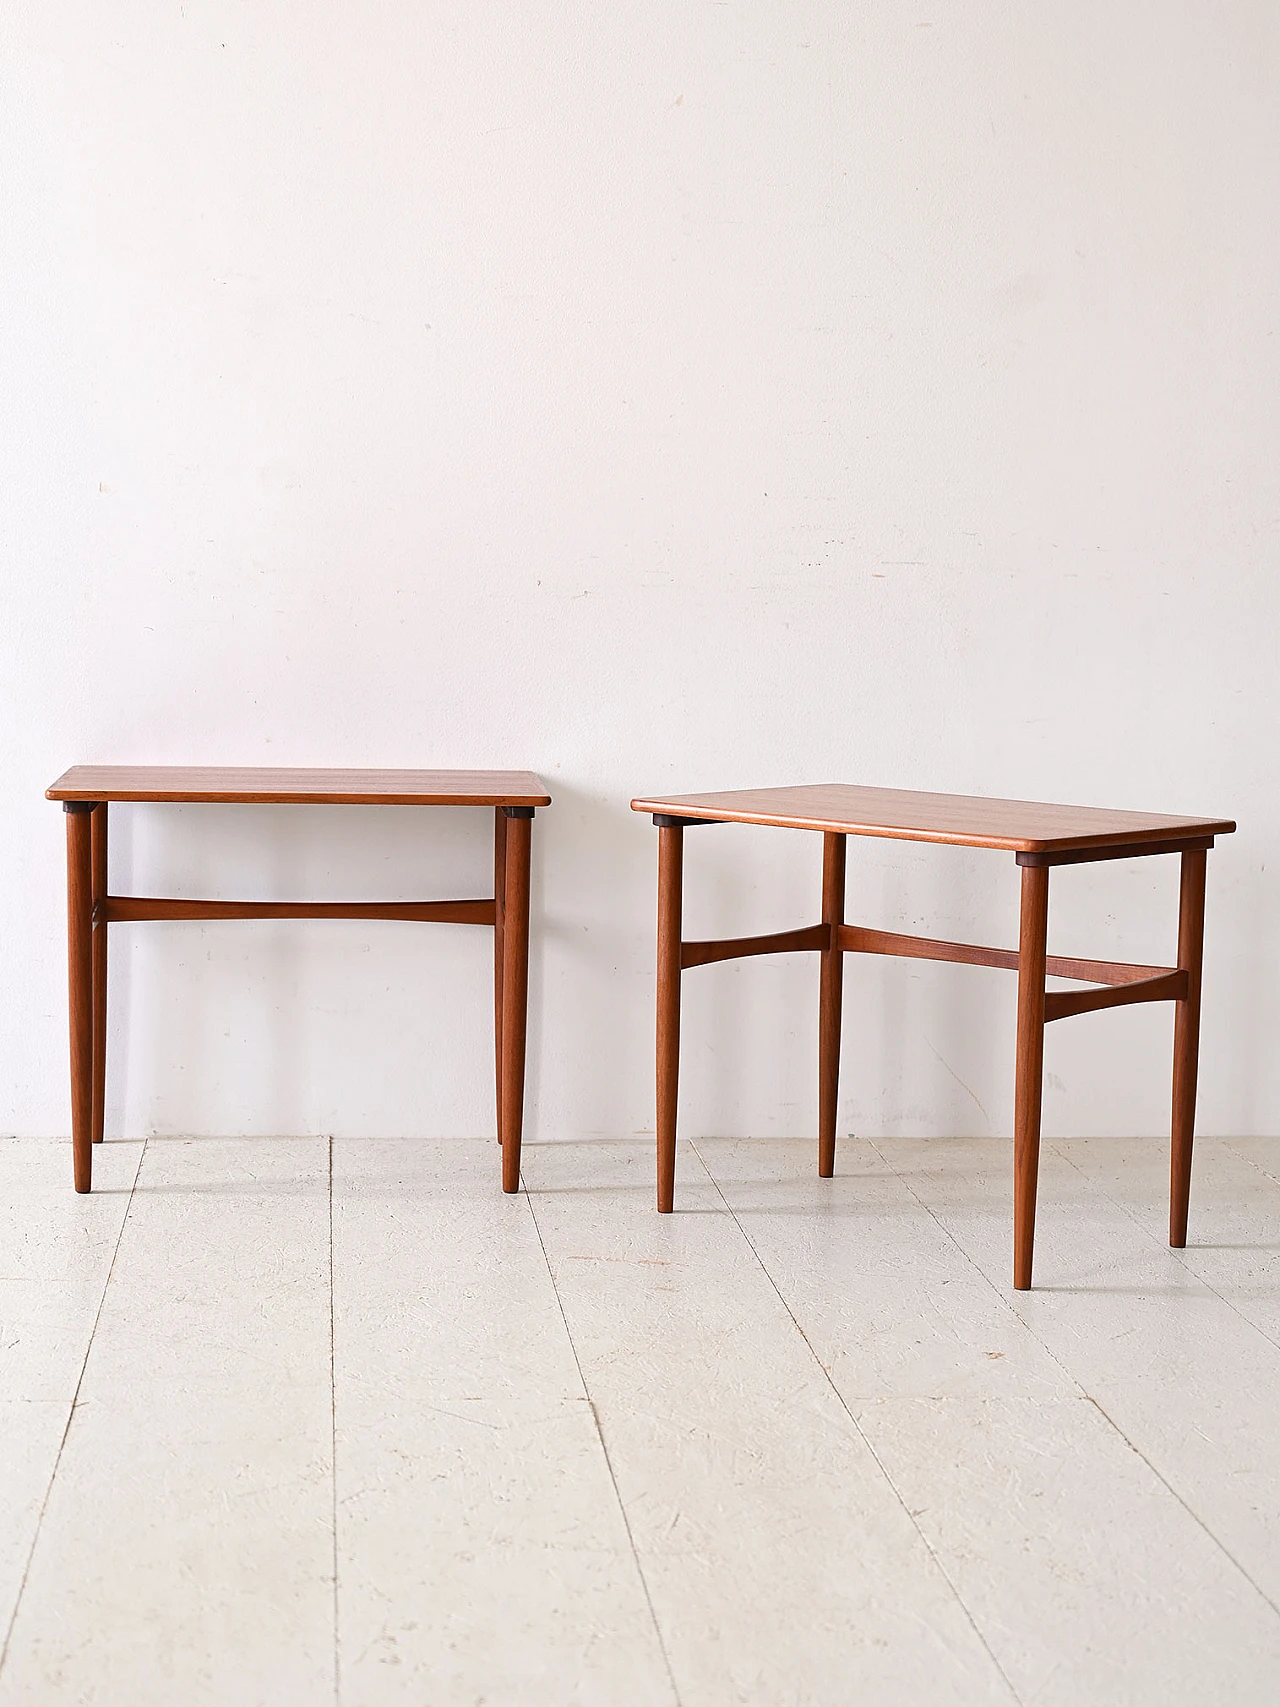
(259, 786)
(1041, 836)
(85, 792)
(963, 820)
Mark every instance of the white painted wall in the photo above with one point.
(675, 395)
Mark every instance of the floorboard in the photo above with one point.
(1086, 1574)
(482, 1552)
(781, 1563)
(56, 1250)
(300, 1420)
(185, 1553)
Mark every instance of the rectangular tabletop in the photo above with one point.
(251, 785)
(1025, 826)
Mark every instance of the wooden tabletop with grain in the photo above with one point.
(257, 785)
(965, 820)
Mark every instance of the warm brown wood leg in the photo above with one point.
(670, 884)
(515, 994)
(499, 905)
(1186, 1041)
(1029, 1075)
(98, 861)
(830, 1001)
(80, 987)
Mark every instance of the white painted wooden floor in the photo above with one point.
(295, 1421)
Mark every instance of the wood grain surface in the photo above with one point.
(1025, 826)
(212, 784)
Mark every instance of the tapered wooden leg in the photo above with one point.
(830, 1000)
(670, 884)
(1186, 1041)
(98, 861)
(1032, 938)
(515, 995)
(499, 912)
(80, 988)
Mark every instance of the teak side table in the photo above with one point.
(1040, 836)
(86, 791)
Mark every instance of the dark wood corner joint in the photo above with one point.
(1041, 836)
(85, 791)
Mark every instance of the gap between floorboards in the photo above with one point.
(595, 1417)
(71, 1411)
(857, 1427)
